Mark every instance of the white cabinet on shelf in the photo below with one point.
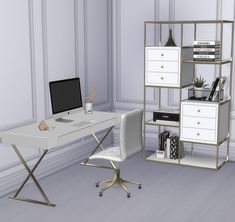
(163, 66)
(200, 123)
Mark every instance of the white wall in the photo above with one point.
(128, 46)
(44, 40)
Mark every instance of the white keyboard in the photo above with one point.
(82, 123)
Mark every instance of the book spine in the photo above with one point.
(205, 42)
(168, 147)
(206, 49)
(207, 46)
(206, 56)
(206, 53)
(206, 60)
(213, 89)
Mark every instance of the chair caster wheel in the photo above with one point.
(139, 186)
(128, 195)
(100, 194)
(97, 185)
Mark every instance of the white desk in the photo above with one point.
(63, 133)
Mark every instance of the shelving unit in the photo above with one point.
(201, 122)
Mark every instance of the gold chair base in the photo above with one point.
(117, 180)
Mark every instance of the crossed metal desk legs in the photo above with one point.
(31, 171)
(30, 174)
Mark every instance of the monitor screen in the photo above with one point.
(65, 95)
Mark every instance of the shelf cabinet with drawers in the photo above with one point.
(203, 123)
(163, 67)
(200, 122)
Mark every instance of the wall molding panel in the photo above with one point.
(46, 49)
(90, 36)
(32, 71)
(32, 85)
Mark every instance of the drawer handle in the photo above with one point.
(162, 67)
(162, 77)
(162, 54)
(198, 110)
(198, 122)
(198, 134)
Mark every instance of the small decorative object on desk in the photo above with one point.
(199, 85)
(170, 41)
(89, 101)
(43, 125)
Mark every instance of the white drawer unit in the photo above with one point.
(199, 135)
(199, 110)
(162, 66)
(162, 78)
(199, 122)
(163, 53)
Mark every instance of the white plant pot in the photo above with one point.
(198, 92)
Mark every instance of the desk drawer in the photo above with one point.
(198, 135)
(157, 78)
(197, 122)
(199, 110)
(164, 54)
(86, 131)
(161, 66)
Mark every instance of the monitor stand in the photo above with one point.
(62, 120)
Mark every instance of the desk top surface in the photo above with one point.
(30, 135)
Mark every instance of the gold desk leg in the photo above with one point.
(30, 174)
(99, 145)
(102, 148)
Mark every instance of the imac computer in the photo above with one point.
(66, 98)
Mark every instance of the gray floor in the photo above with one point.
(170, 193)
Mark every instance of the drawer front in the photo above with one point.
(197, 122)
(163, 54)
(156, 78)
(200, 111)
(198, 135)
(161, 66)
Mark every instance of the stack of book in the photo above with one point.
(204, 50)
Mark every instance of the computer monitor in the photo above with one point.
(66, 98)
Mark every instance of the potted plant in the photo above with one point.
(199, 85)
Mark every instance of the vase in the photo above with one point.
(170, 41)
(198, 92)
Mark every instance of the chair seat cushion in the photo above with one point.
(112, 153)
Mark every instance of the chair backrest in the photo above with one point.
(131, 133)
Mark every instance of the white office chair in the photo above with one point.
(130, 143)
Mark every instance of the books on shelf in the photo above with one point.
(206, 42)
(206, 53)
(168, 146)
(206, 60)
(203, 56)
(205, 50)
